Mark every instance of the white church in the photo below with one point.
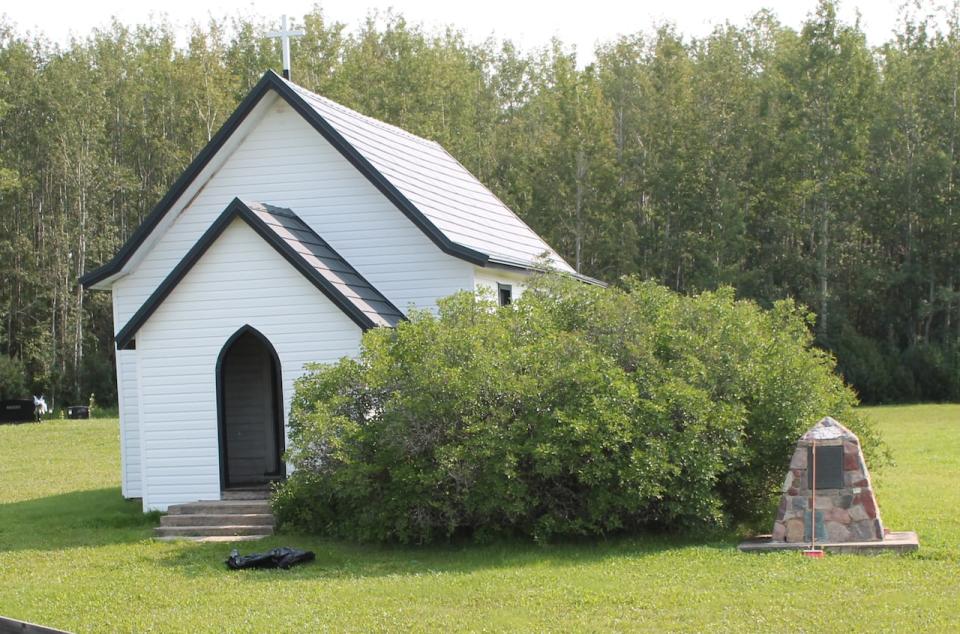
(299, 226)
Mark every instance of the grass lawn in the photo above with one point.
(75, 555)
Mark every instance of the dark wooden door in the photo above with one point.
(251, 425)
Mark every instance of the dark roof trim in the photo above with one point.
(374, 176)
(272, 81)
(179, 186)
(516, 266)
(238, 209)
(323, 259)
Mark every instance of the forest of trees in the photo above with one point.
(780, 162)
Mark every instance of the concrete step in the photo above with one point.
(246, 516)
(213, 531)
(198, 519)
(220, 507)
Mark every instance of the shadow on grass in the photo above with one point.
(81, 518)
(344, 560)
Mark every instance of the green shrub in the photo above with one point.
(864, 366)
(13, 378)
(952, 360)
(928, 365)
(99, 378)
(903, 385)
(575, 411)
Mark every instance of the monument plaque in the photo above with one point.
(829, 467)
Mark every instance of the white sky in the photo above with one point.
(529, 23)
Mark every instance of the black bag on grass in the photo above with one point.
(276, 558)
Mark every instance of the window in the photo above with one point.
(504, 294)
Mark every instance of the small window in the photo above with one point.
(504, 294)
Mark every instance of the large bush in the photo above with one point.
(575, 411)
(13, 381)
(866, 366)
(885, 374)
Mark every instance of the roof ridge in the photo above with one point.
(273, 209)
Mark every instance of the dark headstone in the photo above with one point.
(83, 411)
(16, 411)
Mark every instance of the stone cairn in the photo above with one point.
(846, 508)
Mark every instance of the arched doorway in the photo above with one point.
(249, 403)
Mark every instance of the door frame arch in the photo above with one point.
(278, 424)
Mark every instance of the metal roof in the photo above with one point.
(438, 185)
(444, 200)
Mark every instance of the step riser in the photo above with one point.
(220, 508)
(246, 495)
(262, 519)
(212, 531)
(245, 514)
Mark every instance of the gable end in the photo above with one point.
(342, 284)
(272, 81)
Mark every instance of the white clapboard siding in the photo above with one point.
(130, 464)
(486, 280)
(178, 347)
(283, 161)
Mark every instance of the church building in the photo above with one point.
(300, 225)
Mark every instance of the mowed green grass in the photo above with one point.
(75, 555)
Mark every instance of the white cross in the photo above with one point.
(284, 34)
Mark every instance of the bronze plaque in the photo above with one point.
(829, 467)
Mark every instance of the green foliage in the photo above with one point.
(931, 372)
(576, 411)
(864, 364)
(922, 372)
(783, 162)
(13, 378)
(99, 377)
(76, 556)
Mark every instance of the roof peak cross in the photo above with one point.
(285, 34)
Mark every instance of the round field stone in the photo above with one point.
(837, 532)
(795, 530)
